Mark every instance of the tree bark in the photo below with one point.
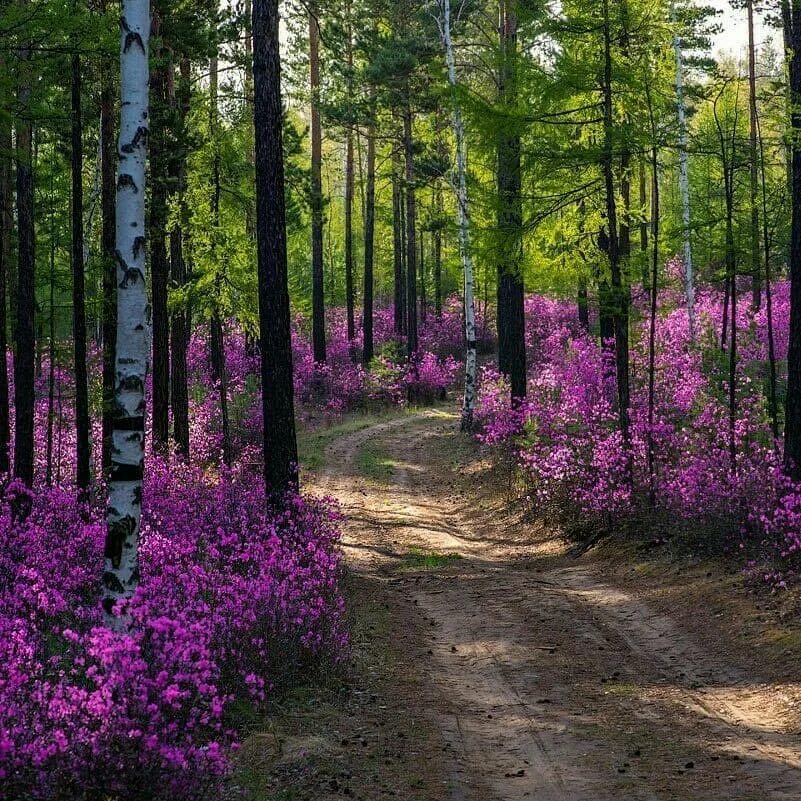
(24, 356)
(620, 312)
(6, 195)
(756, 271)
(107, 247)
(729, 166)
(583, 305)
(280, 447)
(684, 190)
(51, 354)
(179, 324)
(217, 340)
(159, 158)
(349, 186)
(369, 239)
(78, 288)
(646, 282)
(511, 311)
(397, 247)
(318, 286)
(423, 288)
(121, 575)
(773, 411)
(469, 397)
(411, 232)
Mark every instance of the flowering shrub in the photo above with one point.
(566, 440)
(233, 601)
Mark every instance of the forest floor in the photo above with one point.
(493, 663)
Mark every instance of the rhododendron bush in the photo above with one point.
(233, 601)
(566, 440)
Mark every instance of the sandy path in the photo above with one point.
(552, 683)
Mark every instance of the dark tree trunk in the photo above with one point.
(369, 237)
(511, 312)
(217, 343)
(397, 248)
(108, 237)
(159, 268)
(24, 357)
(437, 270)
(218, 373)
(646, 279)
(653, 294)
(583, 305)
(620, 315)
(411, 245)
(773, 411)
(280, 447)
(318, 285)
(441, 127)
(756, 277)
(724, 326)
(423, 288)
(179, 324)
(6, 195)
(78, 289)
(349, 185)
(792, 428)
(51, 358)
(729, 167)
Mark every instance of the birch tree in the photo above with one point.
(684, 188)
(469, 401)
(121, 573)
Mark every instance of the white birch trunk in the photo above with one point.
(684, 189)
(469, 400)
(121, 573)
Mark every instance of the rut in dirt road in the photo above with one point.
(553, 684)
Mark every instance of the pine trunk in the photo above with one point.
(280, 447)
(756, 271)
(583, 305)
(369, 238)
(349, 184)
(159, 266)
(511, 312)
(620, 315)
(411, 231)
(24, 356)
(318, 285)
(78, 289)
(179, 324)
(107, 247)
(6, 195)
(684, 190)
(397, 247)
(217, 336)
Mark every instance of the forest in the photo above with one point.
(400, 399)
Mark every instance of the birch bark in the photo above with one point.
(469, 400)
(121, 574)
(684, 189)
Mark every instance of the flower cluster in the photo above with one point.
(234, 601)
(566, 436)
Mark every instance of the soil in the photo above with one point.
(493, 663)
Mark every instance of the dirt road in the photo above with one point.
(546, 678)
